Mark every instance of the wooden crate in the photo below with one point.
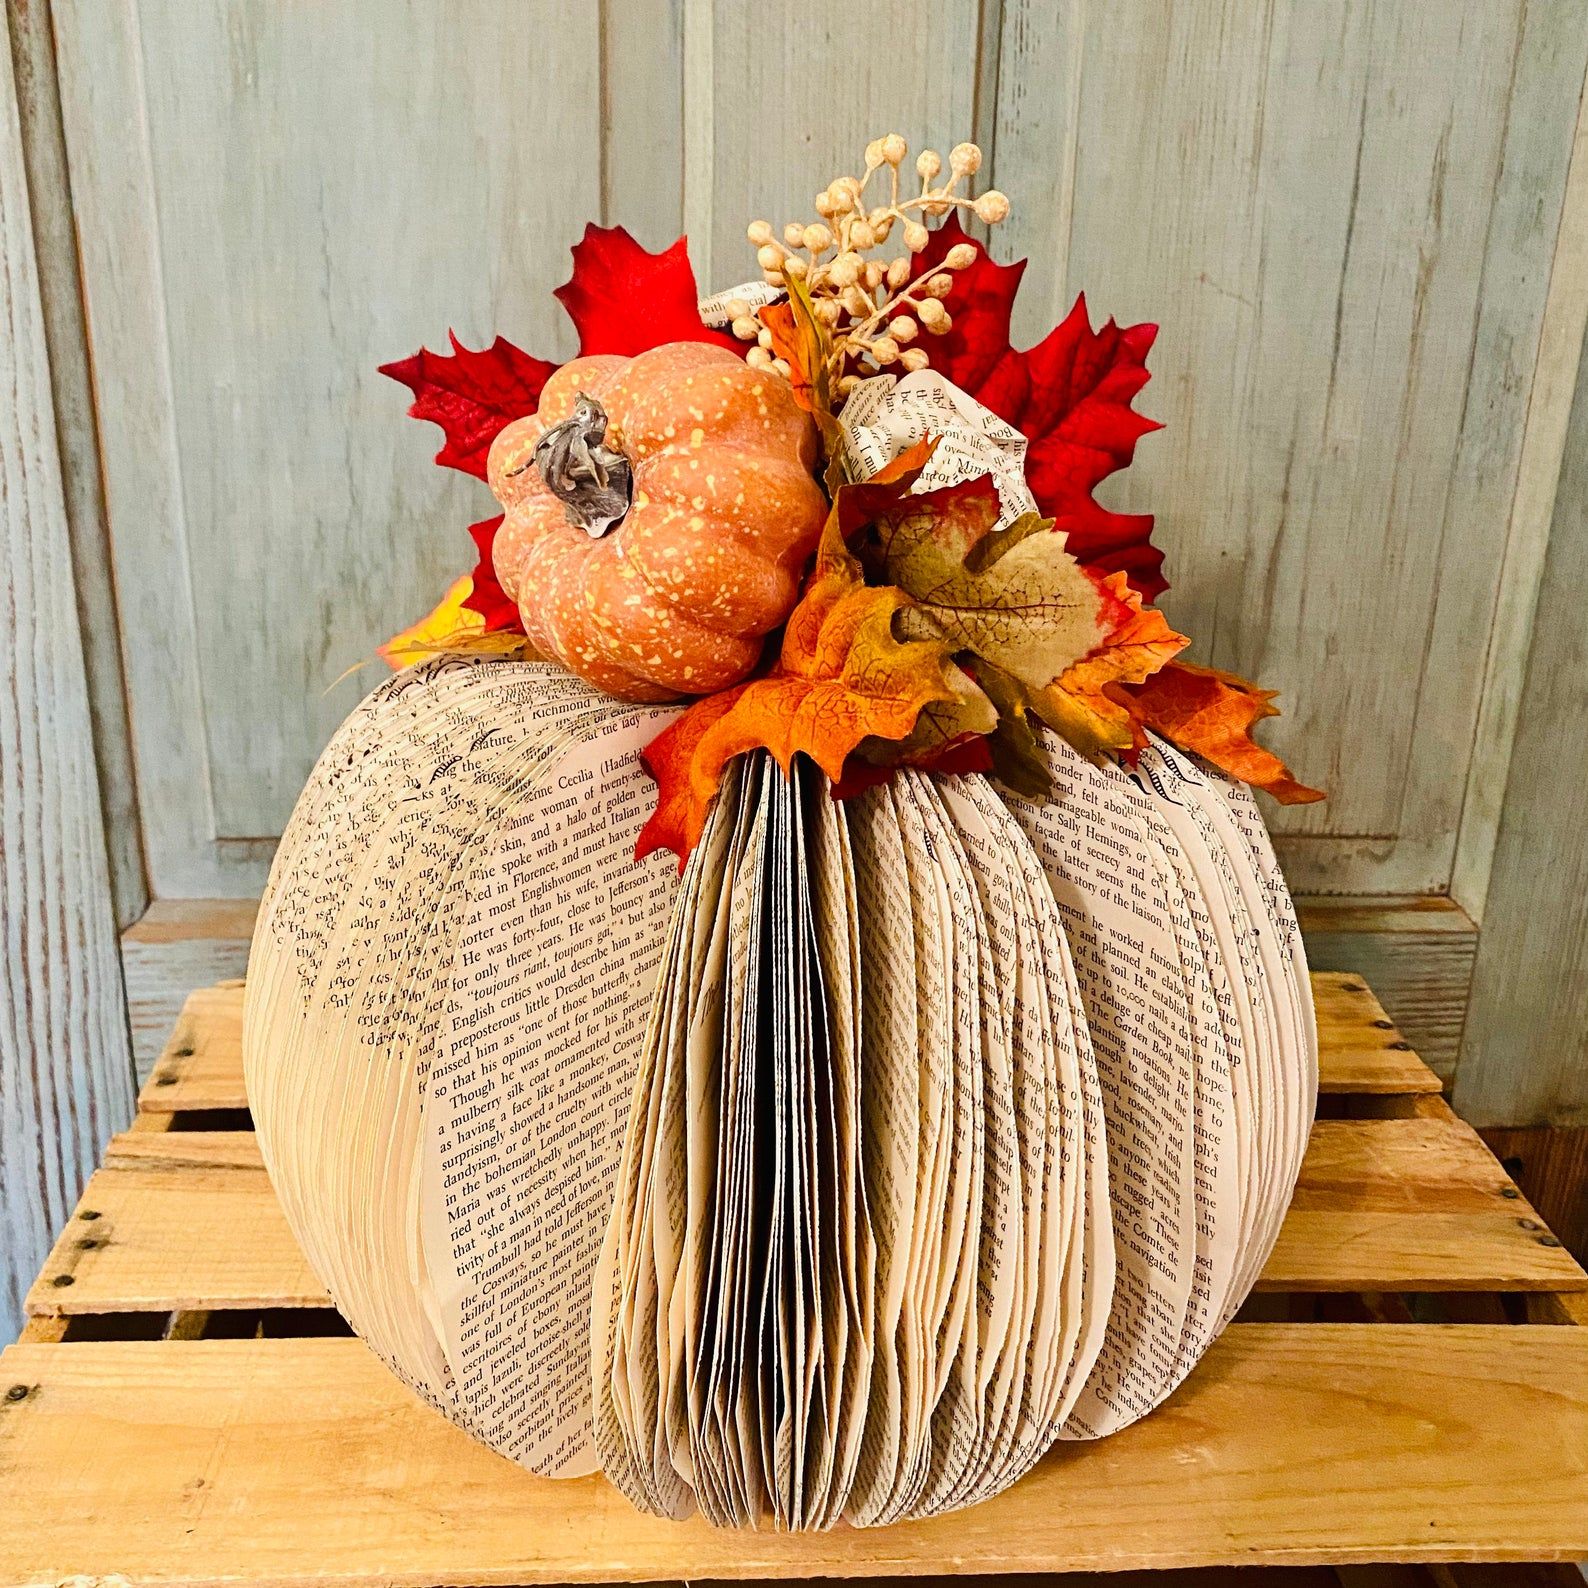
(1407, 1386)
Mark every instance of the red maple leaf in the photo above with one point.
(488, 598)
(471, 395)
(1070, 396)
(622, 299)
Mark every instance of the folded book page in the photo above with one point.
(888, 414)
(487, 1053)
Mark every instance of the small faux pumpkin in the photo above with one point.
(725, 511)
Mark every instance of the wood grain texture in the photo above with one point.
(1343, 217)
(642, 119)
(65, 1069)
(304, 1461)
(1348, 219)
(164, 1237)
(270, 204)
(201, 1065)
(1411, 1205)
(183, 1149)
(1525, 1056)
(187, 1219)
(1527, 534)
(1551, 1166)
(904, 69)
(175, 946)
(71, 380)
(1416, 955)
(1360, 1049)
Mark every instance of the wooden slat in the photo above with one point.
(1551, 1164)
(188, 1219)
(1411, 1205)
(43, 1331)
(180, 944)
(176, 1237)
(1360, 1050)
(184, 1149)
(304, 1461)
(201, 1067)
(1359, 1047)
(1415, 953)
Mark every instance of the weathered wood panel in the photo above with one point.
(1347, 216)
(896, 67)
(1344, 218)
(271, 201)
(65, 1070)
(71, 377)
(642, 118)
(1525, 1060)
(1527, 536)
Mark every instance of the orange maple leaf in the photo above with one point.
(792, 343)
(842, 676)
(1212, 714)
(1082, 703)
(802, 342)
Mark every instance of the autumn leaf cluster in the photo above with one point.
(925, 633)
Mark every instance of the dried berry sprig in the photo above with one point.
(870, 310)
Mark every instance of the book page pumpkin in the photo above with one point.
(921, 1120)
(675, 597)
(1017, 1089)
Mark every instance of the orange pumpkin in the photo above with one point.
(725, 511)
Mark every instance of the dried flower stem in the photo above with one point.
(861, 302)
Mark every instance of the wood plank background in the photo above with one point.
(1527, 1060)
(1344, 213)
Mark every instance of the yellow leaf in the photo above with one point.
(450, 626)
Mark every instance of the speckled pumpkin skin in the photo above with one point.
(676, 598)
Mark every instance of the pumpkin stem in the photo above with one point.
(594, 480)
